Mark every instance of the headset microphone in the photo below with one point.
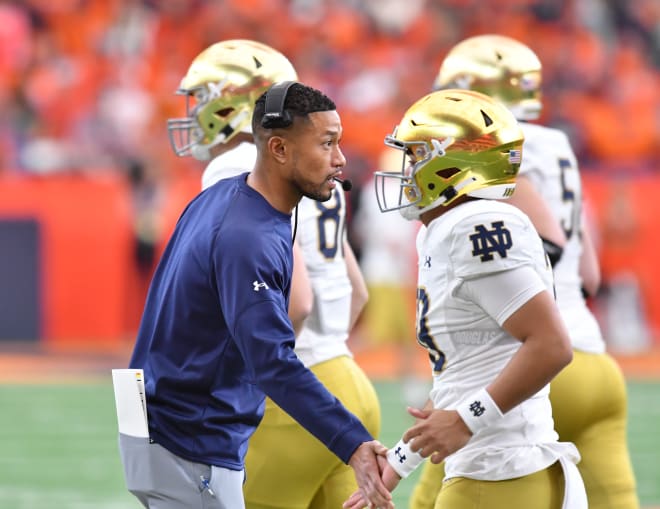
(346, 184)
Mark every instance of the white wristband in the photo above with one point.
(403, 460)
(479, 411)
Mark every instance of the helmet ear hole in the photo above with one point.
(222, 113)
(447, 173)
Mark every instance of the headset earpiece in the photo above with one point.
(275, 115)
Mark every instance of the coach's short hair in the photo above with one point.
(300, 101)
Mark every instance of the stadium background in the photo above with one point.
(89, 189)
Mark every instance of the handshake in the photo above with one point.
(378, 470)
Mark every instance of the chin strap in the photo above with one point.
(410, 213)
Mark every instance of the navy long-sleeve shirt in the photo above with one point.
(215, 335)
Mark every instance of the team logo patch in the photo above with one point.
(400, 455)
(477, 408)
(486, 242)
(259, 285)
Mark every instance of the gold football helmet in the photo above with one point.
(221, 87)
(498, 66)
(454, 143)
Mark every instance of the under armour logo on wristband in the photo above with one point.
(403, 459)
(477, 409)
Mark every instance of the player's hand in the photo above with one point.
(388, 474)
(390, 479)
(364, 462)
(355, 501)
(437, 433)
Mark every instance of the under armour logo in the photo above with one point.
(477, 409)
(486, 242)
(402, 457)
(257, 285)
(427, 261)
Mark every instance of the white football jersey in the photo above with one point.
(233, 162)
(550, 164)
(478, 263)
(320, 234)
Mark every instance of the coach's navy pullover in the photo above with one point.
(215, 335)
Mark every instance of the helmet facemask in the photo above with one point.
(409, 199)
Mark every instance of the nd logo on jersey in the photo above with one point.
(486, 242)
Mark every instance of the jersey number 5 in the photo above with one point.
(568, 195)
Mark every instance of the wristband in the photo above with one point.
(479, 411)
(403, 460)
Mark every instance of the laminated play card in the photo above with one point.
(131, 402)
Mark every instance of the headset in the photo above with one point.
(275, 116)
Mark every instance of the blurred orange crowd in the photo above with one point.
(87, 84)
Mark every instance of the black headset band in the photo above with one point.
(275, 98)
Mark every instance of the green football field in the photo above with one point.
(58, 446)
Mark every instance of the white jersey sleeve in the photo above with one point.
(503, 293)
(550, 164)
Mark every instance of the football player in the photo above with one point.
(588, 397)
(485, 313)
(286, 467)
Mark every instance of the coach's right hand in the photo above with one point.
(389, 477)
(364, 463)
